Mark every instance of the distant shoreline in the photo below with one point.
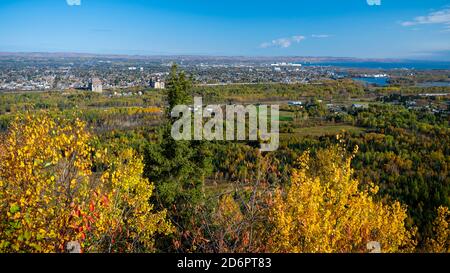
(299, 59)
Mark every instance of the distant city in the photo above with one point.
(62, 71)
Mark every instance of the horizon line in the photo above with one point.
(91, 54)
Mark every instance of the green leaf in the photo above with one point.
(14, 208)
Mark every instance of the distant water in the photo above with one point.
(434, 84)
(385, 65)
(379, 81)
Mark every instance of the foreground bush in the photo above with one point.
(49, 195)
(324, 210)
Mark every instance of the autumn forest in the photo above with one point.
(355, 165)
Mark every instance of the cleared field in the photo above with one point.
(323, 130)
(327, 130)
(286, 118)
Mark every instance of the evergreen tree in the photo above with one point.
(178, 168)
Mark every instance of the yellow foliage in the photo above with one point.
(440, 243)
(228, 213)
(49, 196)
(135, 110)
(228, 224)
(127, 213)
(329, 213)
(44, 167)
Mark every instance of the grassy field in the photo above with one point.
(327, 130)
(323, 130)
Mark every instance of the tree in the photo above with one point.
(178, 167)
(327, 212)
(49, 195)
(440, 242)
(177, 88)
(126, 221)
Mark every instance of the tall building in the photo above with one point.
(96, 85)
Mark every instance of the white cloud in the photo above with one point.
(73, 2)
(374, 2)
(298, 38)
(283, 42)
(441, 17)
(321, 36)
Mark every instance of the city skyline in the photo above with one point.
(357, 28)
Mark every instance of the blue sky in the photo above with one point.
(414, 29)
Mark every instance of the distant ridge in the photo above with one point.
(312, 59)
